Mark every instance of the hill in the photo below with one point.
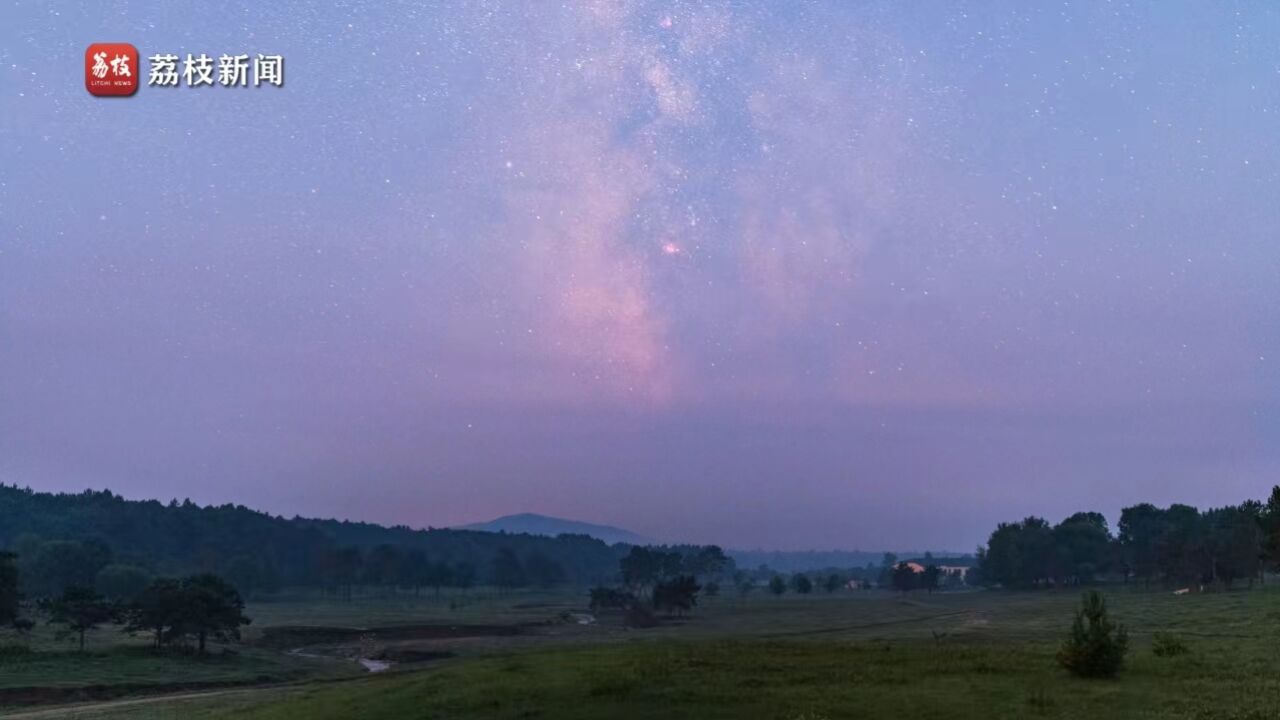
(534, 524)
(181, 537)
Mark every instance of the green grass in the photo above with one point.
(377, 609)
(140, 666)
(977, 655)
(771, 679)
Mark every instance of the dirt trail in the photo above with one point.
(72, 711)
(75, 710)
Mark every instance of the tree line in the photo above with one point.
(670, 579)
(101, 543)
(924, 573)
(174, 611)
(663, 579)
(99, 539)
(1174, 546)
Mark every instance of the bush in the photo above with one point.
(607, 598)
(679, 594)
(801, 583)
(639, 617)
(1166, 645)
(14, 651)
(777, 585)
(1096, 646)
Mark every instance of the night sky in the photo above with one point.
(839, 275)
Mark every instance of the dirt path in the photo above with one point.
(62, 711)
(89, 709)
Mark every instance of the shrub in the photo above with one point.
(777, 585)
(678, 594)
(801, 583)
(607, 598)
(14, 651)
(1166, 645)
(1096, 646)
(639, 617)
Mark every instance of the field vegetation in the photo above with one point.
(844, 655)
(1173, 616)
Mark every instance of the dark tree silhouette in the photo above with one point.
(9, 596)
(706, 562)
(1178, 545)
(463, 575)
(80, 609)
(1018, 554)
(930, 578)
(255, 551)
(1269, 520)
(1140, 529)
(507, 570)
(382, 565)
(607, 598)
(679, 594)
(412, 570)
(904, 577)
(1096, 645)
(644, 567)
(58, 564)
(1234, 542)
(122, 583)
(209, 608)
(777, 585)
(156, 610)
(1082, 549)
(542, 570)
(801, 584)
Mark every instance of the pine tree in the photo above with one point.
(1096, 646)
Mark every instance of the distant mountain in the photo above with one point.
(534, 524)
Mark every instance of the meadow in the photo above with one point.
(844, 655)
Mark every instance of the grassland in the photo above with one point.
(962, 655)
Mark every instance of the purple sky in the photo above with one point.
(855, 275)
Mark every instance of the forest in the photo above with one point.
(1174, 546)
(99, 539)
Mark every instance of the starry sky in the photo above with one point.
(786, 275)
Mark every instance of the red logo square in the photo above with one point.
(111, 69)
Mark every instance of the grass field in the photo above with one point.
(980, 654)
